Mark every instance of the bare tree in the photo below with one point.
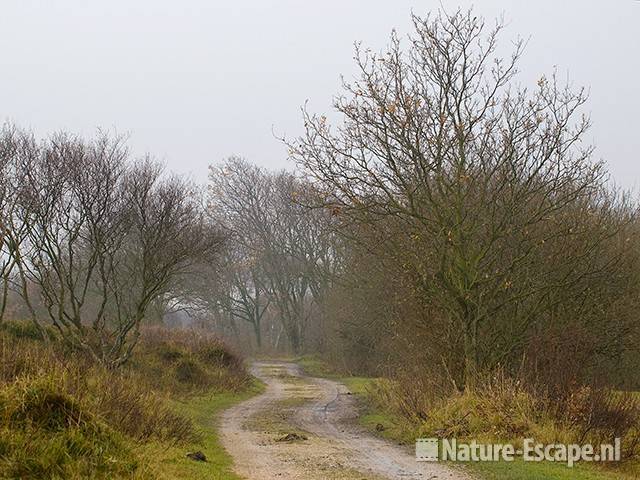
(106, 239)
(7, 261)
(279, 234)
(242, 291)
(18, 151)
(507, 212)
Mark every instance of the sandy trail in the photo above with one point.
(323, 411)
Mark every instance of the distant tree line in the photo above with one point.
(450, 224)
(283, 253)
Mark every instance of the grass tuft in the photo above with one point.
(62, 416)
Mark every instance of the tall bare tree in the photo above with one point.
(7, 262)
(506, 210)
(264, 212)
(18, 151)
(243, 289)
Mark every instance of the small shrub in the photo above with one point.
(217, 354)
(189, 371)
(187, 362)
(28, 330)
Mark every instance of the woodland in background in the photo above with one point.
(447, 232)
(450, 225)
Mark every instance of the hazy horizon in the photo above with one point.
(195, 82)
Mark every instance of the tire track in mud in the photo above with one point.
(332, 447)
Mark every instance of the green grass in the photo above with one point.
(315, 367)
(357, 385)
(63, 416)
(398, 430)
(48, 434)
(519, 470)
(394, 428)
(172, 462)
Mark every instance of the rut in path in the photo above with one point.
(330, 444)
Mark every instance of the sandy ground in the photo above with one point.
(332, 446)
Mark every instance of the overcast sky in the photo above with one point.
(193, 82)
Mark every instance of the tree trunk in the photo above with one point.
(276, 344)
(294, 338)
(470, 355)
(5, 296)
(257, 331)
(27, 299)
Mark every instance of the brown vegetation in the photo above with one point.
(64, 415)
(482, 196)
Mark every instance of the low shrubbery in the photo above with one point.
(502, 409)
(64, 416)
(48, 434)
(187, 361)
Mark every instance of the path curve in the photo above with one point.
(323, 411)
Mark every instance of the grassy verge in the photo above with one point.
(172, 463)
(384, 423)
(519, 470)
(62, 415)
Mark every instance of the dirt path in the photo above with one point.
(329, 444)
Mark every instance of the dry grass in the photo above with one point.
(64, 416)
(188, 362)
(501, 408)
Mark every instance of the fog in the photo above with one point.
(195, 81)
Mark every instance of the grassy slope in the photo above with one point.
(172, 462)
(61, 416)
(397, 430)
